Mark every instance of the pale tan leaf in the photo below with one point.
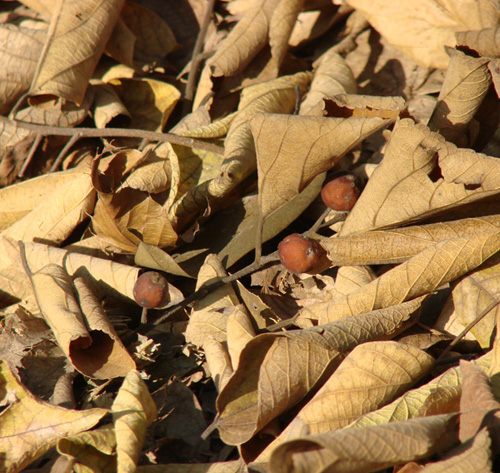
(422, 29)
(239, 332)
(469, 298)
(332, 76)
(128, 217)
(18, 61)
(465, 85)
(107, 108)
(367, 449)
(30, 427)
(203, 127)
(56, 298)
(351, 278)
(93, 450)
(306, 146)
(443, 262)
(218, 361)
(68, 61)
(105, 277)
(276, 96)
(246, 39)
(485, 42)
(149, 101)
(22, 197)
(372, 375)
(439, 396)
(474, 455)
(133, 411)
(150, 256)
(57, 215)
(437, 175)
(276, 370)
(208, 318)
(398, 245)
(242, 240)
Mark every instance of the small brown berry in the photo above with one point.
(340, 193)
(151, 290)
(300, 254)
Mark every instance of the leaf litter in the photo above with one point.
(190, 138)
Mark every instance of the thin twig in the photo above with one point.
(46, 130)
(466, 330)
(64, 151)
(29, 158)
(205, 290)
(196, 58)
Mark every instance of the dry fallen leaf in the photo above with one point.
(276, 370)
(30, 427)
(133, 411)
(366, 449)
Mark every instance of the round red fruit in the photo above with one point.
(340, 193)
(151, 290)
(300, 254)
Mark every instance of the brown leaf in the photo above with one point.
(423, 273)
(276, 370)
(421, 28)
(465, 85)
(246, 39)
(486, 42)
(366, 449)
(67, 61)
(437, 175)
(18, 61)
